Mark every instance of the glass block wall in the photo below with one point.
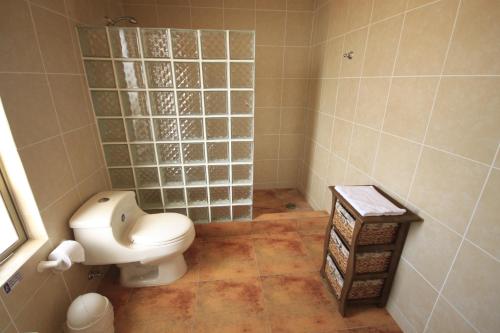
(174, 110)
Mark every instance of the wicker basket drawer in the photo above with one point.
(371, 234)
(367, 262)
(360, 289)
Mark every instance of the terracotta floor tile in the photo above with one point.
(277, 265)
(222, 268)
(321, 320)
(312, 226)
(274, 226)
(226, 296)
(160, 326)
(376, 329)
(364, 316)
(231, 323)
(280, 246)
(222, 229)
(238, 249)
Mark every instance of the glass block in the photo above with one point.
(195, 175)
(168, 153)
(219, 195)
(193, 153)
(171, 176)
(187, 75)
(100, 73)
(146, 177)
(241, 102)
(143, 154)
(220, 214)
(241, 75)
(174, 197)
(121, 178)
(162, 103)
(111, 130)
(155, 43)
(241, 44)
(124, 43)
(159, 74)
(129, 74)
(241, 128)
(196, 195)
(217, 152)
(184, 44)
(242, 194)
(182, 211)
(106, 103)
(134, 103)
(116, 155)
(191, 128)
(198, 214)
(241, 151)
(150, 199)
(93, 42)
(189, 102)
(213, 44)
(214, 75)
(242, 213)
(215, 102)
(218, 174)
(242, 174)
(154, 211)
(139, 130)
(165, 129)
(216, 128)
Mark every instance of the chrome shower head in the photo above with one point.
(112, 22)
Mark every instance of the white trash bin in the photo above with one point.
(90, 313)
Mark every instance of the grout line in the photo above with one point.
(460, 314)
(11, 318)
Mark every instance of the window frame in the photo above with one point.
(15, 218)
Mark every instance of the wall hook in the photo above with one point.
(348, 55)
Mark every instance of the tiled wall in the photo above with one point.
(417, 111)
(43, 91)
(283, 30)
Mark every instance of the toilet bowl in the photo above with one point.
(148, 248)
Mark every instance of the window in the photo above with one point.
(12, 234)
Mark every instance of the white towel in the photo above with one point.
(368, 201)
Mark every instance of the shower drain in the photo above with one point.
(290, 205)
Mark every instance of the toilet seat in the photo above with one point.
(159, 229)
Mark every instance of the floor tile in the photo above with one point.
(312, 226)
(274, 226)
(232, 322)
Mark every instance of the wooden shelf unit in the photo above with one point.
(354, 248)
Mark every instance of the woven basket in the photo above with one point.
(367, 262)
(333, 276)
(371, 234)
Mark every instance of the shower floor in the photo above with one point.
(276, 200)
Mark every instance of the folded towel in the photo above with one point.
(368, 201)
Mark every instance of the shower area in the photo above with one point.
(175, 115)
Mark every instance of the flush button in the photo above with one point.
(103, 200)
(123, 217)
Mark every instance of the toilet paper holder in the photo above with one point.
(63, 256)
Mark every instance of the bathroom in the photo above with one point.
(400, 94)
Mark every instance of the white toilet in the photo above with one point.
(148, 248)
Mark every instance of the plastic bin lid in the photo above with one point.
(86, 310)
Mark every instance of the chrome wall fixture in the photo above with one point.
(349, 55)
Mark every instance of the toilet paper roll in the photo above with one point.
(63, 256)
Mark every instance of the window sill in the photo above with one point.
(19, 258)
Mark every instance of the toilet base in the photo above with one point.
(135, 274)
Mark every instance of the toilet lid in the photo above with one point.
(155, 229)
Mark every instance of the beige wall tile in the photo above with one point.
(267, 120)
(409, 106)
(381, 47)
(18, 50)
(269, 61)
(292, 121)
(339, 15)
(466, 120)
(240, 19)
(425, 38)
(28, 106)
(475, 48)
(387, 8)
(71, 101)
(270, 28)
(247, 4)
(372, 101)
(300, 4)
(355, 42)
(296, 62)
(333, 57)
(346, 99)
(359, 13)
(336, 170)
(56, 217)
(179, 17)
(354, 176)
(342, 131)
(321, 24)
(82, 151)
(206, 18)
(445, 319)
(319, 160)
(413, 296)
(56, 44)
(328, 96)
(268, 92)
(146, 15)
(46, 311)
(396, 163)
(447, 187)
(322, 130)
(56, 5)
(472, 287)
(93, 184)
(315, 190)
(295, 92)
(485, 229)
(291, 146)
(206, 3)
(287, 172)
(266, 147)
(363, 148)
(265, 171)
(417, 3)
(271, 4)
(4, 318)
(77, 279)
(430, 248)
(298, 28)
